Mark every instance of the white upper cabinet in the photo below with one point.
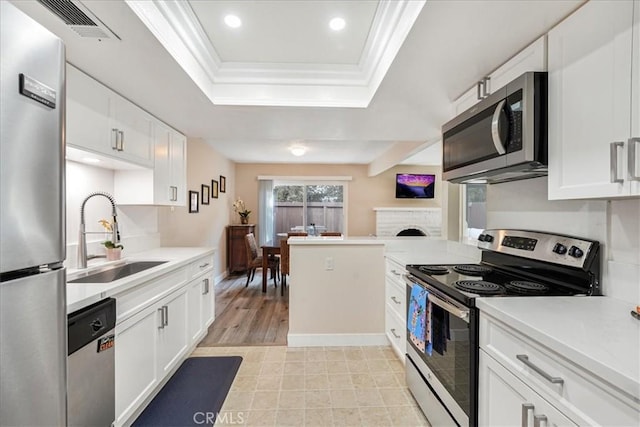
(531, 58)
(594, 102)
(101, 121)
(170, 167)
(166, 183)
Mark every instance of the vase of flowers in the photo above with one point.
(114, 251)
(241, 209)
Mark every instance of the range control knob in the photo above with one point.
(481, 237)
(488, 238)
(560, 249)
(575, 252)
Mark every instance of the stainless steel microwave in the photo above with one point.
(502, 138)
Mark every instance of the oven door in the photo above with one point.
(451, 369)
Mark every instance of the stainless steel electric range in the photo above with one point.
(514, 263)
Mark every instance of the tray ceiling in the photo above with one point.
(260, 63)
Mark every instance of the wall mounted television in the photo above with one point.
(415, 186)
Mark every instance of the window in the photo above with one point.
(311, 207)
(474, 212)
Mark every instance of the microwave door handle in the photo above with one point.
(495, 128)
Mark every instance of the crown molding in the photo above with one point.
(177, 28)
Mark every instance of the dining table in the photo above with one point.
(269, 249)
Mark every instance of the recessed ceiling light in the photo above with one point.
(337, 24)
(90, 160)
(232, 21)
(298, 150)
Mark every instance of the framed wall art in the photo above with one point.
(223, 184)
(193, 201)
(205, 194)
(214, 188)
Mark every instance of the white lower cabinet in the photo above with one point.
(135, 362)
(515, 371)
(165, 318)
(201, 306)
(504, 400)
(172, 331)
(395, 307)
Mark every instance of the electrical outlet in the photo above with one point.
(328, 263)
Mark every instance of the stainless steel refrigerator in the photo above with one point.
(33, 318)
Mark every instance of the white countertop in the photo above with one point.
(433, 252)
(80, 295)
(597, 333)
(334, 240)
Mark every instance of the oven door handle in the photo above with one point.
(462, 314)
(456, 311)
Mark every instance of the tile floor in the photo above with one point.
(316, 386)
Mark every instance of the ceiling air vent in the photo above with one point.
(79, 19)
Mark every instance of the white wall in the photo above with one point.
(615, 224)
(138, 224)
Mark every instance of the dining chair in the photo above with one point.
(331, 233)
(254, 260)
(284, 258)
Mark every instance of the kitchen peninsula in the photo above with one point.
(336, 291)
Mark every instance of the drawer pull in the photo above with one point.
(396, 273)
(537, 419)
(526, 407)
(394, 299)
(525, 359)
(393, 331)
(204, 265)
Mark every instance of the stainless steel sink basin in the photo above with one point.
(117, 272)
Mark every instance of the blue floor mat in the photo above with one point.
(194, 394)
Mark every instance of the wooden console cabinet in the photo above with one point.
(236, 252)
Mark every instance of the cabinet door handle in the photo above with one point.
(631, 158)
(175, 193)
(161, 310)
(526, 407)
(114, 139)
(525, 359)
(121, 148)
(393, 332)
(479, 89)
(537, 419)
(486, 88)
(205, 286)
(166, 315)
(396, 273)
(613, 157)
(394, 299)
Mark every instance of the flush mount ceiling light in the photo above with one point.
(337, 24)
(298, 150)
(232, 21)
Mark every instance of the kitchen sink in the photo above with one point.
(117, 272)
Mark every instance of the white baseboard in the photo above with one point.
(220, 277)
(336, 340)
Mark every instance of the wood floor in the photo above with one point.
(246, 316)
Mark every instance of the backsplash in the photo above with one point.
(138, 224)
(615, 224)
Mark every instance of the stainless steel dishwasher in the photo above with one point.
(91, 365)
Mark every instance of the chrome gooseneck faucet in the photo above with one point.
(82, 238)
